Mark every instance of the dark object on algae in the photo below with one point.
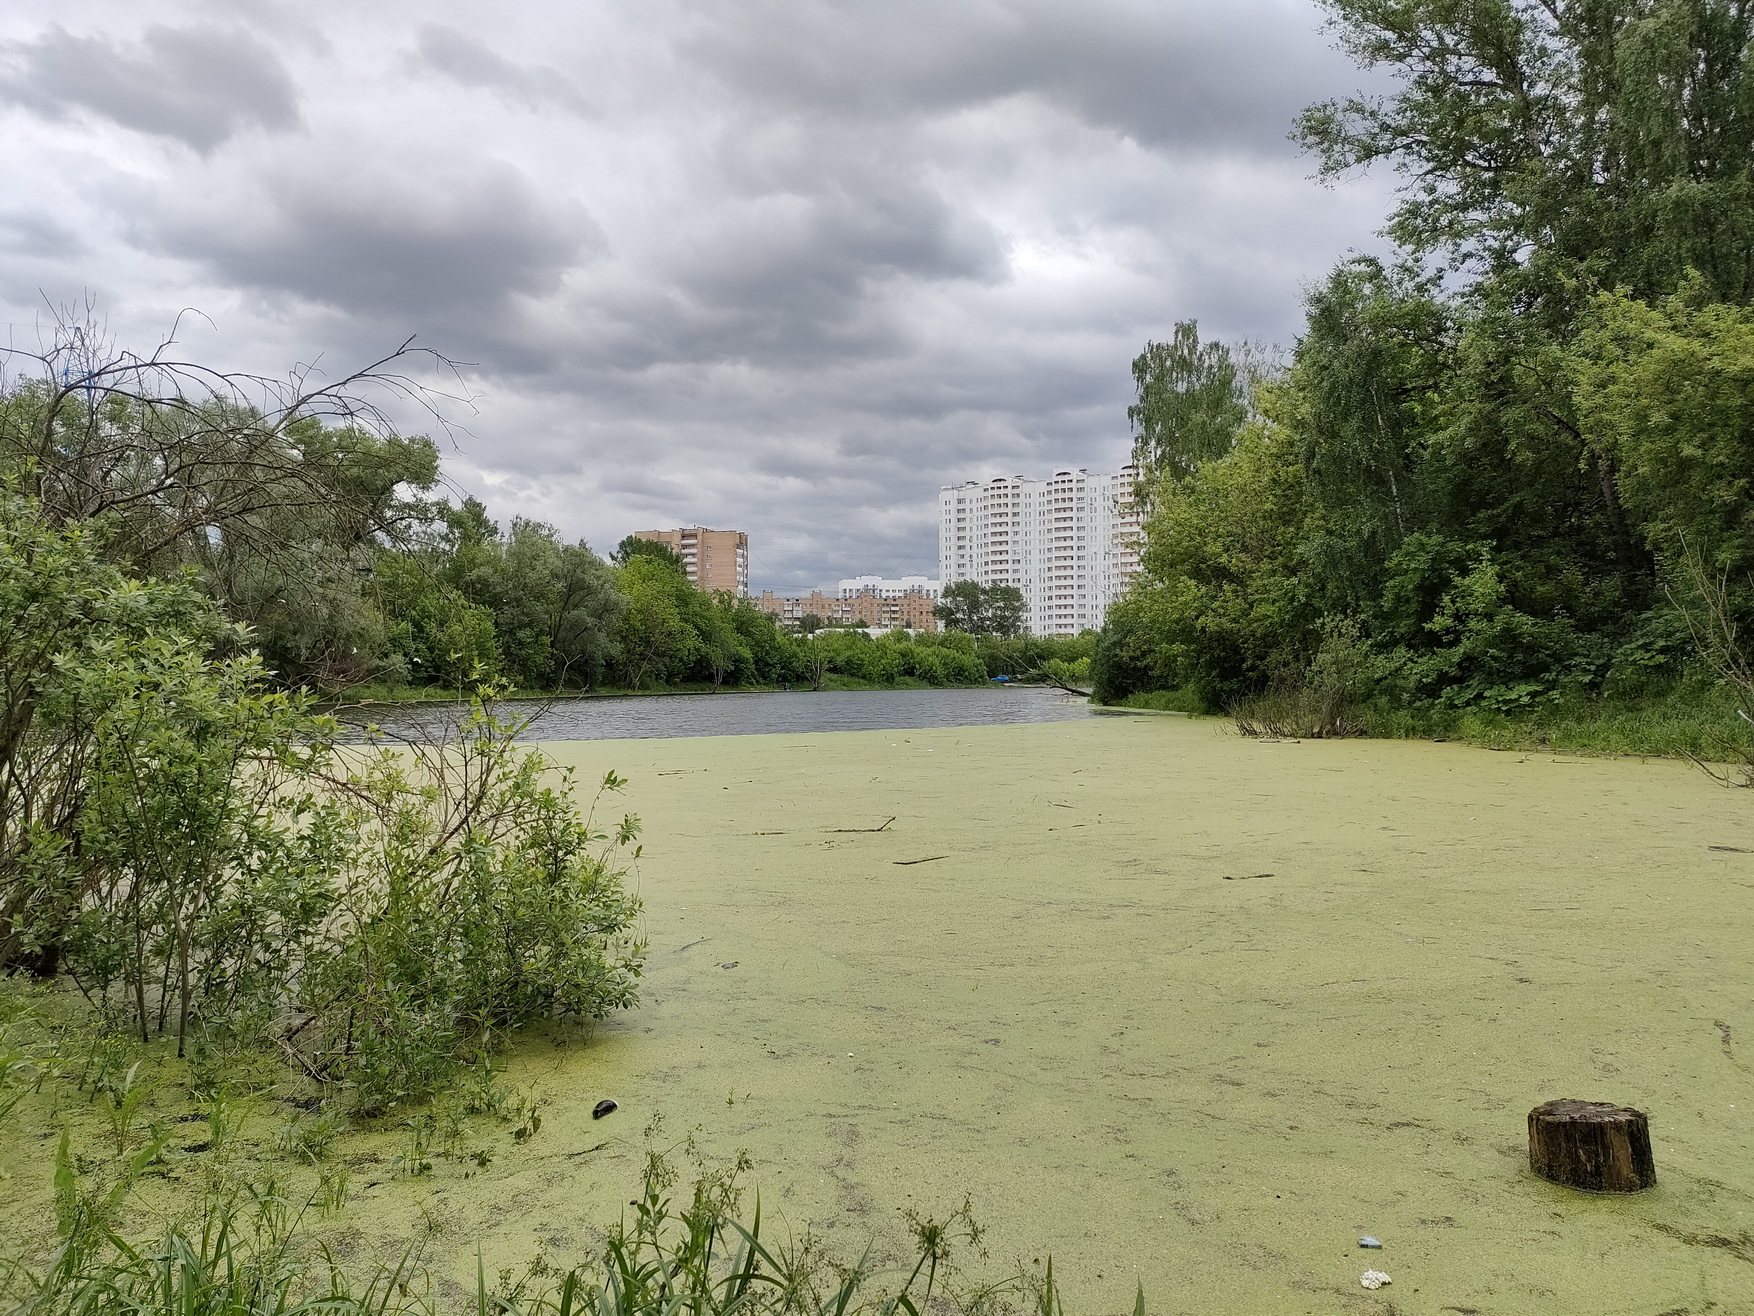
(1592, 1145)
(604, 1107)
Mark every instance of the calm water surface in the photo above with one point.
(663, 716)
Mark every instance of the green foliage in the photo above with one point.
(1192, 400)
(435, 634)
(655, 637)
(202, 871)
(1669, 390)
(474, 898)
(1018, 655)
(1322, 700)
(555, 605)
(1559, 146)
(249, 1252)
(633, 546)
(75, 629)
(1223, 602)
(896, 658)
(1164, 701)
(978, 609)
(181, 838)
(1517, 488)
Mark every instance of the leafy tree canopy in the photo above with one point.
(980, 609)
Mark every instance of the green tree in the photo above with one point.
(1563, 145)
(1670, 387)
(725, 653)
(555, 605)
(633, 546)
(1005, 612)
(438, 635)
(1494, 438)
(70, 621)
(654, 636)
(770, 656)
(978, 609)
(1192, 400)
(278, 493)
(1222, 603)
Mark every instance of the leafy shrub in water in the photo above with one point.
(74, 626)
(191, 847)
(476, 898)
(206, 862)
(1322, 700)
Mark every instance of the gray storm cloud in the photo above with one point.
(785, 267)
(197, 85)
(381, 239)
(457, 55)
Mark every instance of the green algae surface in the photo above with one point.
(1175, 1007)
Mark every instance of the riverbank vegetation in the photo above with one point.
(1502, 484)
(182, 843)
(251, 1247)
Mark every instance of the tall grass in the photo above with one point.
(1697, 722)
(246, 1253)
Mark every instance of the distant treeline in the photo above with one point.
(1514, 466)
(322, 534)
(467, 604)
(522, 607)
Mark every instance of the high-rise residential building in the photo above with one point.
(1070, 542)
(714, 559)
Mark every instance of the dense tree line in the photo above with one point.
(318, 529)
(473, 604)
(1515, 464)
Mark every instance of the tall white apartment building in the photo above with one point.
(1070, 543)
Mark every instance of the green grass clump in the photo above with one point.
(1166, 701)
(1691, 722)
(247, 1251)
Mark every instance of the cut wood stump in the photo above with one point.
(1591, 1145)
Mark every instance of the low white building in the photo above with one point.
(879, 587)
(1070, 542)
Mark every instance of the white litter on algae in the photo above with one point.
(1156, 1075)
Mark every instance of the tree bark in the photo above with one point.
(1591, 1145)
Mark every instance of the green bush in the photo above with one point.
(187, 843)
(474, 897)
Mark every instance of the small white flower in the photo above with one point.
(1374, 1279)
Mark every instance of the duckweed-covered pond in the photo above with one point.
(1175, 1007)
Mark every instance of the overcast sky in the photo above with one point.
(784, 266)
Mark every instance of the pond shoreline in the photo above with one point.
(648, 717)
(330, 703)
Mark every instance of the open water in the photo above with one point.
(640, 717)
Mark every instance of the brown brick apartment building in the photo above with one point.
(911, 611)
(715, 559)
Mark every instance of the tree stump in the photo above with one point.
(1591, 1145)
